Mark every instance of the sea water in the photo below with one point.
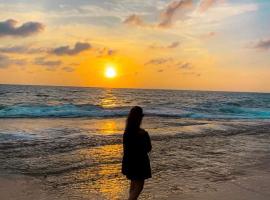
(70, 138)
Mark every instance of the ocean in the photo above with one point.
(67, 141)
(73, 102)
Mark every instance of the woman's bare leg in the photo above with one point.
(136, 186)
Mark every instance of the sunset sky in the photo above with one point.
(188, 44)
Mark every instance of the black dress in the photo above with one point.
(136, 163)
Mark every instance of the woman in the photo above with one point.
(136, 145)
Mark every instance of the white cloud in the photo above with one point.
(221, 12)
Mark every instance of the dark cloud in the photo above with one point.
(14, 49)
(6, 61)
(21, 49)
(105, 52)
(170, 62)
(187, 68)
(8, 28)
(49, 64)
(185, 65)
(66, 50)
(262, 45)
(159, 61)
(171, 10)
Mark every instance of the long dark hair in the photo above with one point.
(134, 120)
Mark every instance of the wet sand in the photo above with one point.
(253, 186)
(18, 187)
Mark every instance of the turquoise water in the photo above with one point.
(70, 102)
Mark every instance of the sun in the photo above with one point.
(110, 72)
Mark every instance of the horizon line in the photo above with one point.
(134, 88)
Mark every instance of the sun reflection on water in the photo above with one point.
(109, 100)
(106, 127)
(103, 176)
(109, 127)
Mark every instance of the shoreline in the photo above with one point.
(134, 88)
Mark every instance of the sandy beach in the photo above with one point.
(247, 188)
(254, 185)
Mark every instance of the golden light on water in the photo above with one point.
(109, 184)
(110, 71)
(109, 127)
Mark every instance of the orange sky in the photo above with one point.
(198, 45)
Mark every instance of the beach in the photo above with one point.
(252, 186)
(207, 165)
(51, 149)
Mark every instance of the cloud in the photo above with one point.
(188, 10)
(183, 67)
(166, 16)
(187, 69)
(103, 52)
(262, 45)
(173, 45)
(169, 46)
(170, 62)
(206, 4)
(49, 64)
(68, 69)
(158, 61)
(171, 10)
(135, 20)
(66, 50)
(186, 65)
(6, 61)
(17, 49)
(8, 28)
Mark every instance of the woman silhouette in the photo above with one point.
(136, 145)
